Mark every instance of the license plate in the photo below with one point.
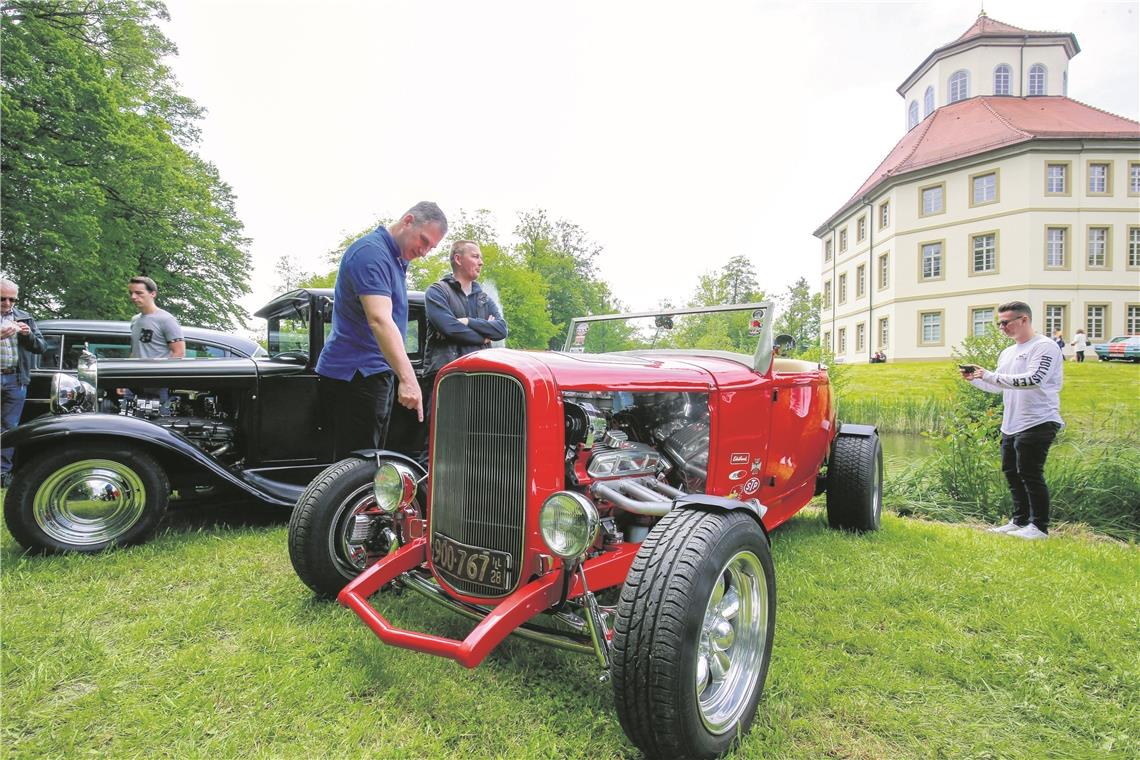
(473, 564)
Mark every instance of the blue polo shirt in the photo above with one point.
(372, 266)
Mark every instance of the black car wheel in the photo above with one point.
(86, 498)
(328, 544)
(855, 483)
(693, 634)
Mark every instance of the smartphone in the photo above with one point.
(967, 367)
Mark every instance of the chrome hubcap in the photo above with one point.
(89, 502)
(350, 556)
(730, 651)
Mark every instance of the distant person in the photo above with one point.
(1080, 343)
(1059, 339)
(155, 333)
(364, 356)
(1029, 376)
(19, 340)
(461, 319)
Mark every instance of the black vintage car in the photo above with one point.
(85, 480)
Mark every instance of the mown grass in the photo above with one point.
(923, 640)
(1101, 398)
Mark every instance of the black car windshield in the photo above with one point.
(289, 331)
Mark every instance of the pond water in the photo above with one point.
(902, 449)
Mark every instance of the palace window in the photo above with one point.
(885, 210)
(885, 270)
(931, 261)
(1001, 79)
(985, 253)
(1134, 247)
(1094, 321)
(959, 86)
(843, 288)
(1055, 247)
(1054, 319)
(860, 280)
(931, 327)
(932, 200)
(861, 229)
(1098, 247)
(1037, 79)
(884, 332)
(827, 250)
(842, 340)
(1056, 178)
(980, 319)
(1134, 178)
(1133, 320)
(985, 188)
(1098, 178)
(827, 295)
(928, 102)
(860, 336)
(827, 341)
(843, 240)
(912, 115)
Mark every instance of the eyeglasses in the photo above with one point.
(1004, 322)
(7, 298)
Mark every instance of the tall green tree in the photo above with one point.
(100, 181)
(798, 315)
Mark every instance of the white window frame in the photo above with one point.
(1096, 326)
(1097, 248)
(934, 324)
(935, 259)
(1098, 179)
(1003, 76)
(1134, 247)
(1132, 319)
(1049, 178)
(841, 349)
(1056, 245)
(928, 101)
(985, 322)
(860, 280)
(989, 190)
(1054, 318)
(941, 200)
(884, 271)
(884, 332)
(959, 88)
(988, 253)
(1038, 80)
(912, 115)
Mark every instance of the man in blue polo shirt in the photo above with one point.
(364, 355)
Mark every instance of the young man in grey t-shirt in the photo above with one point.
(155, 333)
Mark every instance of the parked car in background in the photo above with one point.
(67, 338)
(614, 499)
(1123, 347)
(98, 471)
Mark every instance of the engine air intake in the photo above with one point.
(478, 475)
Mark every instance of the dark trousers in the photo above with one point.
(1023, 462)
(359, 409)
(1080, 356)
(12, 396)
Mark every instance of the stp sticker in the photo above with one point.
(752, 485)
(740, 458)
(737, 475)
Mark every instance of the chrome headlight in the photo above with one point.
(69, 394)
(394, 486)
(569, 523)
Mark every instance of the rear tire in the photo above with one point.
(87, 497)
(321, 525)
(855, 483)
(693, 634)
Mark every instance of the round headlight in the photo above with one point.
(70, 395)
(394, 486)
(569, 523)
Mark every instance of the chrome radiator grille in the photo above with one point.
(478, 470)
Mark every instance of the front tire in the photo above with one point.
(87, 497)
(693, 634)
(321, 547)
(855, 483)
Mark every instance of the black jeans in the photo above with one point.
(1023, 462)
(360, 409)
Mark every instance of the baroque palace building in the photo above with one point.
(1003, 188)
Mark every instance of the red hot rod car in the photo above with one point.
(613, 502)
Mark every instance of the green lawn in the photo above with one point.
(1097, 396)
(923, 640)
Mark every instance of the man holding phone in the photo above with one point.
(19, 339)
(1029, 376)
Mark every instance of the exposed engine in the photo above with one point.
(196, 415)
(633, 454)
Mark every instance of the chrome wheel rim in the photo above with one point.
(350, 558)
(89, 502)
(730, 652)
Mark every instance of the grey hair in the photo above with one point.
(426, 212)
(5, 282)
(1017, 307)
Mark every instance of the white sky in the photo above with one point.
(676, 134)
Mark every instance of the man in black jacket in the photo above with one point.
(19, 339)
(461, 319)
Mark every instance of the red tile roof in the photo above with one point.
(982, 124)
(987, 25)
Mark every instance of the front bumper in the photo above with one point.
(501, 621)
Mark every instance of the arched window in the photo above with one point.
(959, 86)
(1001, 79)
(928, 102)
(1037, 79)
(1065, 83)
(912, 115)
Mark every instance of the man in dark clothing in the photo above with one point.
(19, 340)
(461, 319)
(364, 359)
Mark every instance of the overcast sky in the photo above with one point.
(676, 134)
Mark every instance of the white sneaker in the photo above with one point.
(1009, 527)
(1030, 531)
